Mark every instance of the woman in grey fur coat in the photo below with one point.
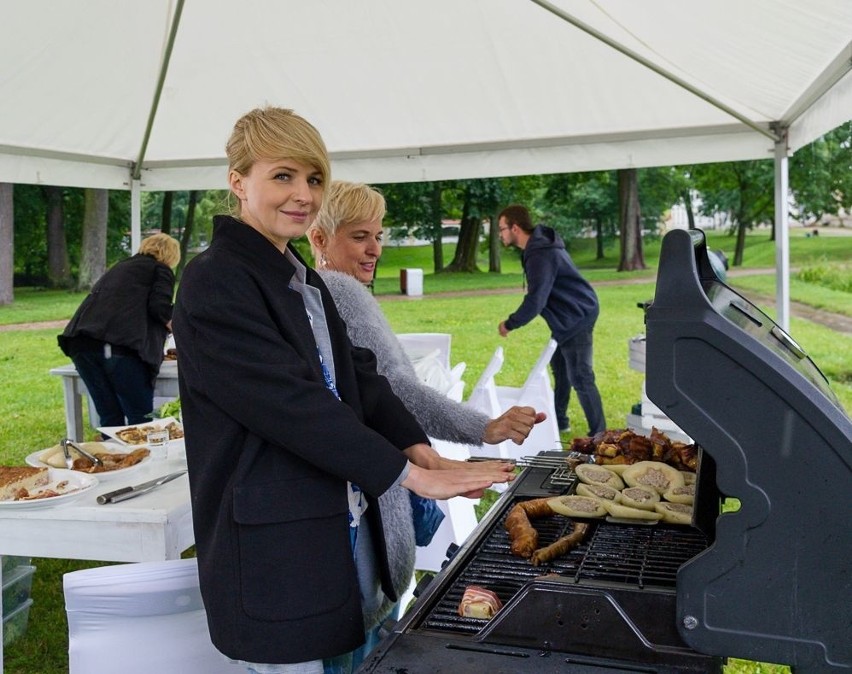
(346, 240)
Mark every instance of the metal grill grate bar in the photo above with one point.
(620, 554)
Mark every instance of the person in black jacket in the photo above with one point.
(567, 303)
(291, 434)
(116, 336)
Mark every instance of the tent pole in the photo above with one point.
(782, 233)
(135, 215)
(161, 81)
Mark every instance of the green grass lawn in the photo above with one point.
(33, 418)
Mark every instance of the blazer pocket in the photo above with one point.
(294, 552)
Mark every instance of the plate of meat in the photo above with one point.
(31, 487)
(118, 460)
(137, 434)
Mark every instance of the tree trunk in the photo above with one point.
(93, 254)
(494, 246)
(630, 221)
(690, 213)
(166, 218)
(739, 249)
(7, 243)
(465, 257)
(599, 239)
(58, 267)
(186, 236)
(438, 241)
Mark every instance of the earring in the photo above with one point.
(323, 262)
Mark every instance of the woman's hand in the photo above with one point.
(425, 456)
(514, 424)
(469, 479)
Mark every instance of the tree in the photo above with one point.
(416, 208)
(573, 203)
(166, 217)
(480, 199)
(470, 228)
(630, 221)
(189, 226)
(821, 176)
(93, 249)
(58, 265)
(744, 190)
(7, 244)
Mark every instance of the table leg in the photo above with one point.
(73, 408)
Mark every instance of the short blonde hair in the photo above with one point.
(163, 248)
(346, 203)
(272, 133)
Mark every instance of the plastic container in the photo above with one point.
(15, 624)
(10, 563)
(16, 588)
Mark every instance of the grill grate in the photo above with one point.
(630, 555)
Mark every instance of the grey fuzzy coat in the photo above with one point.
(367, 326)
(439, 416)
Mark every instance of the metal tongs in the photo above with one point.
(69, 462)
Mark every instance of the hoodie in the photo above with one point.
(555, 288)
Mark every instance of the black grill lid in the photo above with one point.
(776, 584)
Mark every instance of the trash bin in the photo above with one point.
(411, 282)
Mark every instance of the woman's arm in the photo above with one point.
(367, 326)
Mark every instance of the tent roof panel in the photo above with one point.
(410, 91)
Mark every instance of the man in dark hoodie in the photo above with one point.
(567, 303)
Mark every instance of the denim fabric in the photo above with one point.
(120, 386)
(427, 517)
(572, 366)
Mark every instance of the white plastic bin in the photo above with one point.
(411, 282)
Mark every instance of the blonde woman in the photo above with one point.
(291, 435)
(117, 335)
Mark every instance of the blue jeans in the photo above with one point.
(572, 366)
(121, 387)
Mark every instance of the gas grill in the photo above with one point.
(766, 577)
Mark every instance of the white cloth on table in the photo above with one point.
(140, 618)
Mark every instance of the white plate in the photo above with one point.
(34, 460)
(78, 485)
(112, 430)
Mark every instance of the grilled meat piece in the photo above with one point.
(562, 546)
(623, 446)
(523, 537)
(479, 602)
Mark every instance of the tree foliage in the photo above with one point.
(744, 190)
(821, 176)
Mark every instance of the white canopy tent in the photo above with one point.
(123, 94)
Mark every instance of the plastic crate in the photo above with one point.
(16, 588)
(10, 563)
(15, 624)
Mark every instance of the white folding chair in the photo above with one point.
(138, 619)
(537, 393)
(420, 344)
(457, 372)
